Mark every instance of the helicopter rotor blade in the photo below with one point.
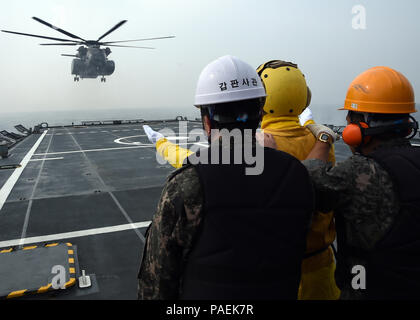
(70, 55)
(58, 44)
(37, 36)
(108, 42)
(57, 29)
(119, 24)
(115, 45)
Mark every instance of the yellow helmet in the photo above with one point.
(285, 84)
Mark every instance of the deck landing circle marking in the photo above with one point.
(138, 143)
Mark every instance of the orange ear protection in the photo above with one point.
(354, 134)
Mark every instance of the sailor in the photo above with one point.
(373, 193)
(285, 111)
(218, 232)
(176, 155)
(285, 115)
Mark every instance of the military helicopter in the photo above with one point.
(91, 60)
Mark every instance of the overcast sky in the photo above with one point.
(318, 35)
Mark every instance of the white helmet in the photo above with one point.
(228, 79)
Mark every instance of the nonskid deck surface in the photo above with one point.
(96, 187)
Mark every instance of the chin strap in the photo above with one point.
(415, 127)
(397, 126)
(274, 64)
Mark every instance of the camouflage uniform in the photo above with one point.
(169, 238)
(172, 234)
(361, 192)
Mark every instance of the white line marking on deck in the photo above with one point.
(8, 186)
(95, 171)
(133, 142)
(202, 144)
(58, 158)
(95, 150)
(177, 138)
(140, 144)
(75, 234)
(29, 208)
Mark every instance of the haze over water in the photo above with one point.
(329, 40)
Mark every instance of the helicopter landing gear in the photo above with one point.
(76, 78)
(103, 79)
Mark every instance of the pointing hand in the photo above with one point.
(153, 136)
(305, 116)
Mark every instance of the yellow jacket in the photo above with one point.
(298, 141)
(173, 153)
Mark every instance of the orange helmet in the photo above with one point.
(380, 90)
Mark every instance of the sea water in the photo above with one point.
(325, 114)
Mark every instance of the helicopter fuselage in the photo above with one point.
(92, 62)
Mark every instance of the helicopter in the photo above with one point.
(91, 61)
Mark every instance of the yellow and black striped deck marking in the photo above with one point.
(47, 287)
(72, 269)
